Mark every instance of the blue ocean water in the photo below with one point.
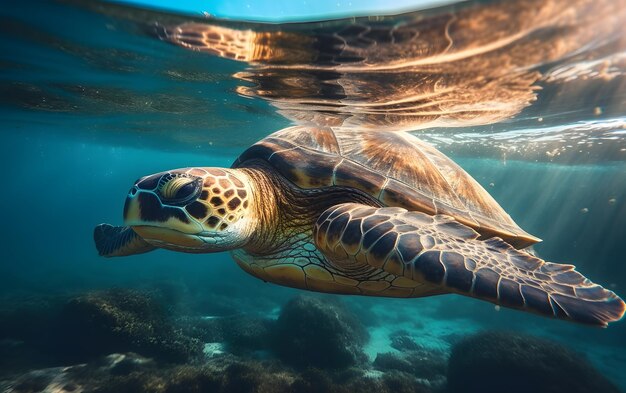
(91, 100)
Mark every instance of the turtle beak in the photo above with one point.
(170, 239)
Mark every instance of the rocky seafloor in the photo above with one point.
(123, 340)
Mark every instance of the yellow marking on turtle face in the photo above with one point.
(132, 211)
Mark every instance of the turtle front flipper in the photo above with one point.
(120, 241)
(441, 251)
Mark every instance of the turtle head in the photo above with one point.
(192, 209)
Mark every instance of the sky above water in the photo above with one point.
(286, 10)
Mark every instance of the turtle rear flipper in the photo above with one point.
(112, 241)
(441, 251)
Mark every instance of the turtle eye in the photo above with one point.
(185, 191)
(178, 190)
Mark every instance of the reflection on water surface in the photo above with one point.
(533, 80)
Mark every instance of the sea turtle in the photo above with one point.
(363, 213)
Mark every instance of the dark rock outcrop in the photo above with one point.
(315, 333)
(494, 362)
(99, 323)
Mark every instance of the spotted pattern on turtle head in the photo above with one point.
(222, 201)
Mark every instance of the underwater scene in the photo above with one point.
(430, 199)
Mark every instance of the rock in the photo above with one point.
(402, 341)
(326, 381)
(315, 333)
(252, 377)
(241, 333)
(193, 379)
(413, 358)
(78, 377)
(124, 364)
(46, 380)
(428, 364)
(41, 332)
(212, 350)
(100, 323)
(391, 361)
(399, 382)
(168, 379)
(424, 364)
(126, 373)
(312, 381)
(511, 362)
(112, 374)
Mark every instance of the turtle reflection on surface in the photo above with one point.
(469, 65)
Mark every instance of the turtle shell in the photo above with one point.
(396, 168)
